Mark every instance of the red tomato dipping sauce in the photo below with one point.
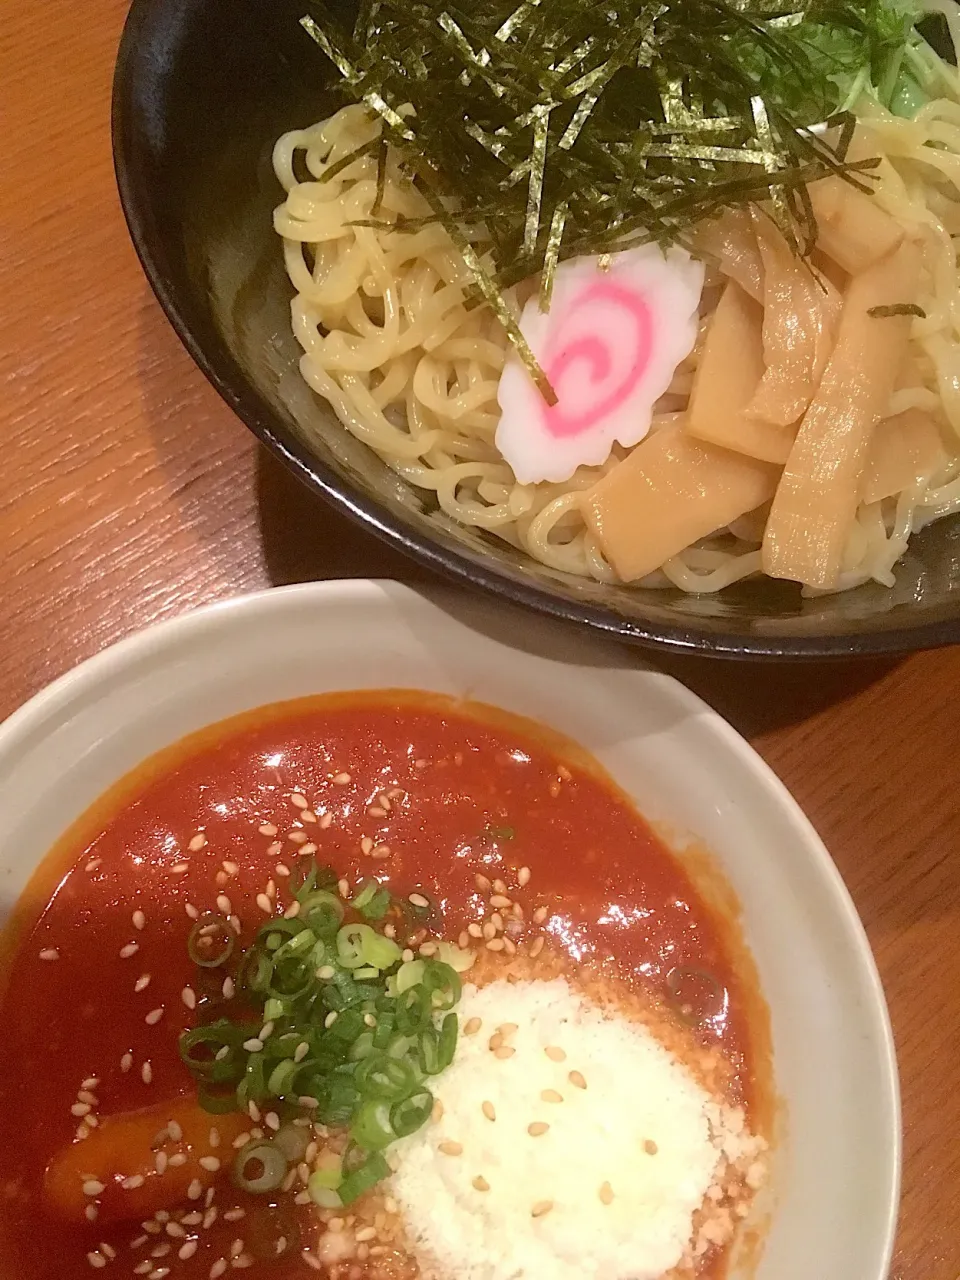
(378, 986)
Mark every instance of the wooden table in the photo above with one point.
(129, 493)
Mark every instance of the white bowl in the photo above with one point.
(833, 1200)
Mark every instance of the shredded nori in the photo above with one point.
(568, 128)
(897, 309)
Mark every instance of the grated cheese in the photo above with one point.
(607, 1191)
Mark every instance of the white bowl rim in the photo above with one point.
(52, 703)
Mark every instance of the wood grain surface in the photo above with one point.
(129, 493)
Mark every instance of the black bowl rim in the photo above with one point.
(368, 513)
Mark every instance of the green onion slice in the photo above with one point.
(211, 941)
(259, 1168)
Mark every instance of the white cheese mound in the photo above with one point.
(599, 1141)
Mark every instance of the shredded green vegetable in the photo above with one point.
(568, 128)
(334, 1023)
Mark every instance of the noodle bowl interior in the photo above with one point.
(376, 987)
(808, 434)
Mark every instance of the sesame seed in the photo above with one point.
(139, 1242)
(343, 888)
(93, 1188)
(482, 883)
(451, 1148)
(650, 1147)
(197, 842)
(234, 1215)
(189, 997)
(497, 921)
(229, 988)
(265, 905)
(80, 1109)
(308, 816)
(523, 876)
(159, 1273)
(537, 1129)
(266, 1031)
(174, 1131)
(540, 1208)
(176, 1161)
(274, 848)
(326, 820)
(292, 911)
(508, 1028)
(146, 1072)
(554, 1053)
(267, 829)
(218, 1268)
(154, 1016)
(427, 949)
(472, 1026)
(92, 864)
(131, 1184)
(142, 1268)
(376, 812)
(330, 1019)
(380, 851)
(494, 944)
(188, 1250)
(160, 1162)
(298, 801)
(341, 779)
(253, 1045)
(179, 868)
(191, 911)
(272, 1121)
(504, 1051)
(209, 1218)
(489, 1110)
(366, 845)
(551, 1095)
(142, 982)
(49, 953)
(311, 1260)
(224, 904)
(297, 837)
(463, 941)
(480, 1183)
(231, 868)
(126, 1062)
(129, 950)
(90, 1213)
(474, 930)
(365, 1233)
(539, 915)
(606, 1193)
(436, 1113)
(537, 947)
(213, 1137)
(210, 1163)
(500, 900)
(369, 1020)
(96, 1259)
(406, 955)
(236, 1248)
(510, 947)
(195, 1190)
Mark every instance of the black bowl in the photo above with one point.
(202, 90)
